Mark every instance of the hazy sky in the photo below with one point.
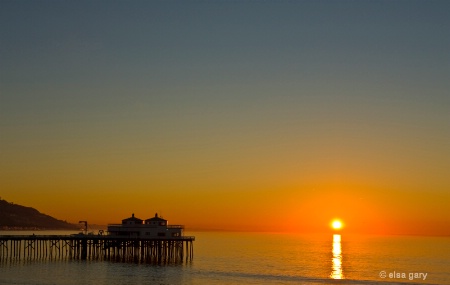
(259, 115)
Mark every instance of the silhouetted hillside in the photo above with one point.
(14, 216)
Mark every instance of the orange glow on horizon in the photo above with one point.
(294, 209)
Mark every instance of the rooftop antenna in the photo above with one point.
(85, 226)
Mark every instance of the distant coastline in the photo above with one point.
(17, 217)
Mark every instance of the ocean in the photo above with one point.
(259, 258)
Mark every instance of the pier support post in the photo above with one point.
(83, 249)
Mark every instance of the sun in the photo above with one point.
(336, 224)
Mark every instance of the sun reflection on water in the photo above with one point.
(336, 266)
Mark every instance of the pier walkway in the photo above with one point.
(96, 247)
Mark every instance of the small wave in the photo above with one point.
(255, 278)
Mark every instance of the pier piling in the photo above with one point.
(96, 247)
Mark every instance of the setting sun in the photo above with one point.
(336, 224)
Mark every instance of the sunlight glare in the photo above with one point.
(336, 224)
(336, 267)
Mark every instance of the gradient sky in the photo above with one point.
(238, 115)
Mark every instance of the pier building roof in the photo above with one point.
(156, 219)
(132, 220)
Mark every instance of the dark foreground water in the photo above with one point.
(255, 258)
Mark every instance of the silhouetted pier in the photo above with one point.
(96, 247)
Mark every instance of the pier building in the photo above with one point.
(149, 241)
(155, 227)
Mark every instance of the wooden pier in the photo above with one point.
(96, 247)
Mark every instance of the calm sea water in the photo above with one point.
(256, 258)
